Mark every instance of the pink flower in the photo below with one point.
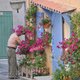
(71, 48)
(58, 46)
(73, 34)
(19, 29)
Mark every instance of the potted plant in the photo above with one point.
(46, 22)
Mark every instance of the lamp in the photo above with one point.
(16, 4)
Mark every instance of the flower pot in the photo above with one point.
(67, 78)
(47, 25)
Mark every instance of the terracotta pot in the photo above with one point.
(67, 78)
(47, 25)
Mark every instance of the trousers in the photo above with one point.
(12, 63)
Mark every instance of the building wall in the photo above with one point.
(27, 4)
(73, 3)
(66, 30)
(49, 59)
(18, 18)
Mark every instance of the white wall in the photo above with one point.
(18, 18)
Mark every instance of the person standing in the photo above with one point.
(13, 41)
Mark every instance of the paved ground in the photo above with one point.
(4, 72)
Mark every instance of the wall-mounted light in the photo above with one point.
(16, 4)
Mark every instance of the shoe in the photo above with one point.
(14, 77)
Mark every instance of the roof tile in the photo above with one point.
(54, 6)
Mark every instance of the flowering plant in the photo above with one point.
(29, 45)
(71, 55)
(71, 48)
(36, 61)
(46, 36)
(19, 30)
(23, 47)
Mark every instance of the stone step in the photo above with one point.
(38, 78)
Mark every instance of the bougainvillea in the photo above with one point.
(30, 45)
(23, 47)
(19, 29)
(38, 45)
(71, 48)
